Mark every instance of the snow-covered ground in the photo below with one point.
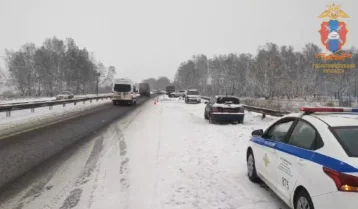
(179, 160)
(21, 120)
(161, 156)
(41, 99)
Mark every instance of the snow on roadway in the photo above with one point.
(161, 156)
(176, 159)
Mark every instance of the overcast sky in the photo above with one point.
(150, 38)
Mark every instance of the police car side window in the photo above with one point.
(278, 132)
(304, 136)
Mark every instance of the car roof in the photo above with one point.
(228, 96)
(332, 119)
(338, 119)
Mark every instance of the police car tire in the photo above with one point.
(205, 116)
(254, 178)
(303, 194)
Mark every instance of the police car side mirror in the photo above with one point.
(257, 132)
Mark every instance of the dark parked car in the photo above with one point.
(224, 108)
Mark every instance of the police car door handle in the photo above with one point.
(300, 162)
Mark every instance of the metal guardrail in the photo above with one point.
(264, 111)
(50, 104)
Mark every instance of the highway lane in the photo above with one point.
(20, 153)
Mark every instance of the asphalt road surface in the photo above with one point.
(27, 156)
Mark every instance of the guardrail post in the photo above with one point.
(90, 100)
(97, 99)
(32, 109)
(263, 115)
(50, 107)
(8, 113)
(75, 103)
(64, 104)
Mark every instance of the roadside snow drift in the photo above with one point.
(22, 120)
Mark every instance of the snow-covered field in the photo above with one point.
(293, 105)
(161, 156)
(21, 120)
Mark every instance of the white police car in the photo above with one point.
(309, 160)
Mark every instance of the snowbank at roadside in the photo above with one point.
(21, 120)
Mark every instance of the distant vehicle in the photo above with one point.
(169, 90)
(144, 89)
(156, 91)
(65, 95)
(224, 108)
(309, 159)
(180, 93)
(124, 91)
(192, 95)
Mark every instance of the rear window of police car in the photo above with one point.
(348, 137)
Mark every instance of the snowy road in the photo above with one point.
(159, 156)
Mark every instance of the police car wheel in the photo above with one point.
(303, 200)
(205, 116)
(251, 168)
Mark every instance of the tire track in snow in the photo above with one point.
(72, 192)
(123, 169)
(155, 187)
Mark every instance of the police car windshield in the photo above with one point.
(347, 136)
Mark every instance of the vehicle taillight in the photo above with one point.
(344, 182)
(214, 109)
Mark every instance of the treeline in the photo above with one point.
(158, 84)
(55, 66)
(276, 71)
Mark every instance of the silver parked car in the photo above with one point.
(65, 95)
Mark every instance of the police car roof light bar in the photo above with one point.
(327, 109)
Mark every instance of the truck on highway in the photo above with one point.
(144, 89)
(124, 91)
(169, 90)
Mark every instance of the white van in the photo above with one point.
(124, 91)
